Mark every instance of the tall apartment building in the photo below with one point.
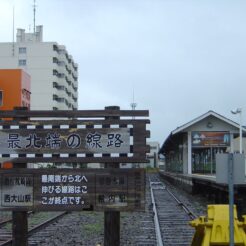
(54, 74)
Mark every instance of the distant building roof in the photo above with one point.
(183, 128)
(203, 116)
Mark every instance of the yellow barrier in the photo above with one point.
(214, 230)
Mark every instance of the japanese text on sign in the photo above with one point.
(63, 189)
(17, 191)
(72, 189)
(95, 141)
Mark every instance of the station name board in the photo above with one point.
(73, 141)
(60, 140)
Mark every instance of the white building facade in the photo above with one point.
(153, 154)
(54, 74)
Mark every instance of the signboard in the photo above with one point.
(72, 189)
(17, 189)
(210, 139)
(222, 169)
(73, 141)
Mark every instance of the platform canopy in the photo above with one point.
(208, 122)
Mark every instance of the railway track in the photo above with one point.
(147, 236)
(36, 224)
(171, 216)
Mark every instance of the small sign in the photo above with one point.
(64, 190)
(17, 190)
(211, 139)
(222, 169)
(72, 189)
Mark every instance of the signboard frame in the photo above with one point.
(24, 141)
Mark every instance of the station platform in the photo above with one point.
(191, 179)
(205, 185)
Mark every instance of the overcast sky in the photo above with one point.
(181, 58)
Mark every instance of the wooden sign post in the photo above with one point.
(112, 218)
(20, 223)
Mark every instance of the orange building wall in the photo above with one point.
(15, 87)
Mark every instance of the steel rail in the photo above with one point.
(4, 222)
(185, 208)
(156, 220)
(158, 185)
(36, 228)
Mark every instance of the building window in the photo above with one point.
(55, 85)
(55, 48)
(55, 72)
(22, 62)
(55, 60)
(22, 50)
(1, 98)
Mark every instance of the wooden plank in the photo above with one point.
(137, 158)
(73, 122)
(141, 150)
(139, 135)
(74, 114)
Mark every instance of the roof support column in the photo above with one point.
(231, 143)
(189, 154)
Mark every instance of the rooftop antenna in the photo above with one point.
(13, 40)
(133, 104)
(34, 15)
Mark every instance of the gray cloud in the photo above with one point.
(181, 57)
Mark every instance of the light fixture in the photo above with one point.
(239, 111)
(209, 125)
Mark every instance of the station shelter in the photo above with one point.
(15, 89)
(192, 147)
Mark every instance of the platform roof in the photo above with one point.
(173, 136)
(209, 113)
